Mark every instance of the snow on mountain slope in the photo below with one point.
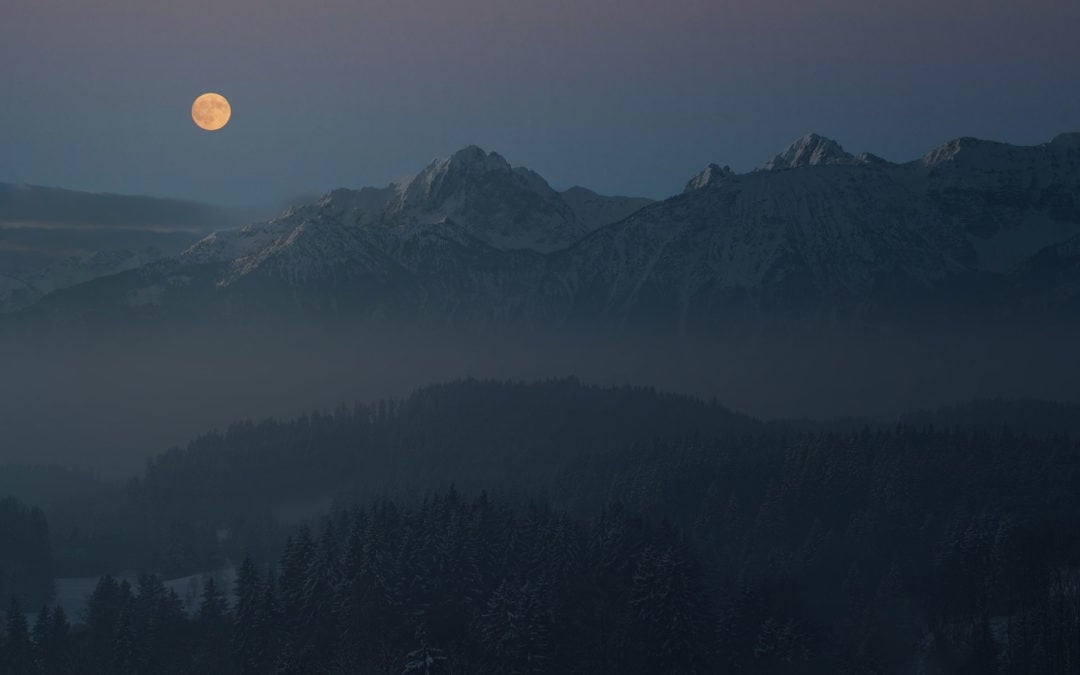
(469, 201)
(504, 206)
(709, 175)
(16, 293)
(1011, 201)
(242, 242)
(319, 248)
(820, 231)
(810, 150)
(52, 238)
(832, 236)
(831, 230)
(594, 210)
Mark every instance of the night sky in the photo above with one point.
(628, 97)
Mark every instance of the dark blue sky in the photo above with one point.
(629, 96)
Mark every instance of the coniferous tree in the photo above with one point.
(425, 660)
(148, 597)
(249, 629)
(292, 584)
(101, 623)
(124, 655)
(160, 626)
(614, 546)
(26, 560)
(515, 629)
(40, 636)
(355, 597)
(667, 600)
(213, 628)
(271, 617)
(18, 653)
(53, 644)
(318, 608)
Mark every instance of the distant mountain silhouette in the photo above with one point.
(52, 238)
(47, 205)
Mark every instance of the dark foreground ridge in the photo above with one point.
(597, 529)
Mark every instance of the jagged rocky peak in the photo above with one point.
(968, 148)
(470, 160)
(531, 179)
(444, 175)
(710, 175)
(341, 199)
(810, 150)
(871, 158)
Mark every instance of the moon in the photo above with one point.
(211, 111)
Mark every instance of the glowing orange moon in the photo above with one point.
(211, 111)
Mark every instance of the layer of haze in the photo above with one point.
(109, 402)
(624, 96)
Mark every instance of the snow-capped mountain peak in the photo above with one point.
(708, 176)
(476, 159)
(471, 199)
(871, 158)
(966, 149)
(445, 174)
(466, 233)
(507, 207)
(810, 150)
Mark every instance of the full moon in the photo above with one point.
(211, 111)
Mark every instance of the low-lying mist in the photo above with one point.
(107, 400)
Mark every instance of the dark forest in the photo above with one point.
(639, 532)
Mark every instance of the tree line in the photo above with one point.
(26, 563)
(450, 585)
(948, 548)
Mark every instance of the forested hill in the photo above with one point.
(458, 585)
(888, 548)
(502, 437)
(1025, 415)
(540, 439)
(26, 564)
(498, 436)
(888, 551)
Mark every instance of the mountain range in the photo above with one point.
(974, 226)
(51, 238)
